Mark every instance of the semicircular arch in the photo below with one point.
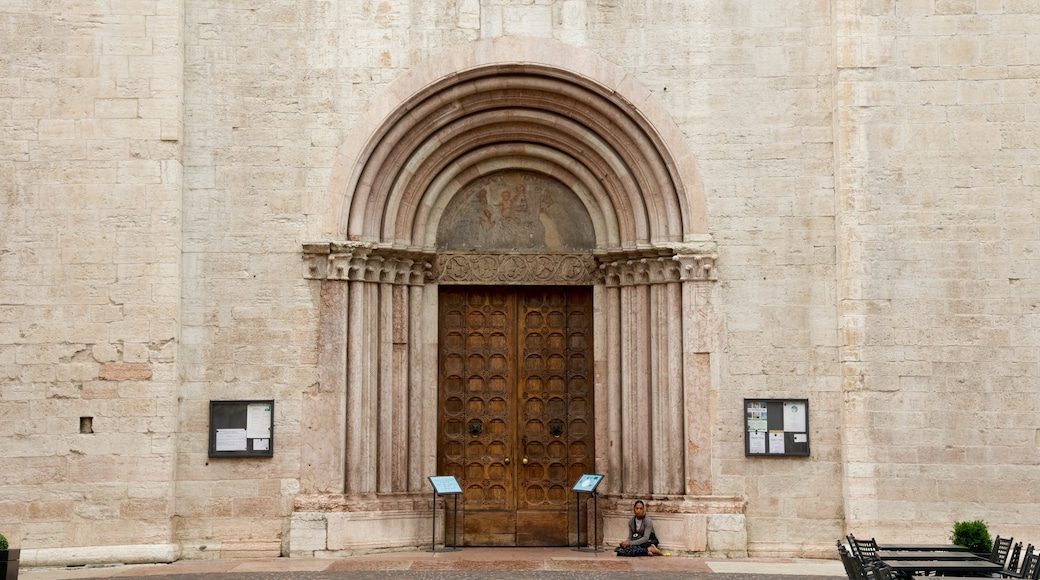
(516, 102)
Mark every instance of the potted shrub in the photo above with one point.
(973, 535)
(8, 560)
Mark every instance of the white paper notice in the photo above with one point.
(757, 424)
(801, 437)
(258, 421)
(231, 440)
(756, 442)
(794, 417)
(261, 444)
(776, 442)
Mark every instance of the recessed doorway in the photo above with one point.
(515, 410)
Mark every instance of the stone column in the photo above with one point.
(375, 369)
(702, 334)
(385, 441)
(427, 384)
(324, 407)
(660, 416)
(416, 401)
(636, 395)
(668, 396)
(608, 386)
(399, 393)
(360, 470)
(661, 439)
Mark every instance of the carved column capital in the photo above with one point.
(694, 267)
(359, 261)
(658, 265)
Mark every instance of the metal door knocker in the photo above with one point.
(556, 428)
(476, 427)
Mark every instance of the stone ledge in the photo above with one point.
(251, 549)
(97, 555)
(679, 504)
(333, 502)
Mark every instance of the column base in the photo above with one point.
(331, 525)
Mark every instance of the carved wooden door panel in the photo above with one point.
(477, 395)
(554, 409)
(515, 409)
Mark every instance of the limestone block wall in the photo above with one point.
(751, 86)
(90, 244)
(261, 123)
(937, 179)
(871, 170)
(272, 91)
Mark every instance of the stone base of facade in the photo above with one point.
(685, 524)
(329, 526)
(100, 555)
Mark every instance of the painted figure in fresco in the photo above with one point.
(642, 541)
(513, 225)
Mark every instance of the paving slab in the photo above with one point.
(501, 563)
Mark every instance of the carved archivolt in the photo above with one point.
(356, 261)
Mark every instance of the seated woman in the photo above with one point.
(641, 538)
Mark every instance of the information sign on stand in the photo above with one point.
(587, 483)
(445, 485)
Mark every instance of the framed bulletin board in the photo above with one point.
(241, 428)
(776, 427)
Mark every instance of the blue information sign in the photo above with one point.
(588, 482)
(445, 484)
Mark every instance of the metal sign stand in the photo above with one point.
(587, 483)
(445, 485)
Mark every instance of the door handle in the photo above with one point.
(524, 461)
(507, 461)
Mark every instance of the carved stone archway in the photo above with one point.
(368, 441)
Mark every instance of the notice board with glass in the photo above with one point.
(776, 427)
(241, 428)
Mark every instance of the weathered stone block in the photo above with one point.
(125, 371)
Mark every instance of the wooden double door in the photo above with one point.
(515, 416)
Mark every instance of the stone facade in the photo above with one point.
(837, 201)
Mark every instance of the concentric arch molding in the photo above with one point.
(358, 261)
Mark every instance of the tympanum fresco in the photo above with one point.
(518, 211)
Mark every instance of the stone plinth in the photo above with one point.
(703, 525)
(338, 525)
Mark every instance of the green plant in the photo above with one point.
(973, 535)
(3, 542)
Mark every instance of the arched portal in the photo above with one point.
(403, 220)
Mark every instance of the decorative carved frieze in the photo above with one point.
(506, 269)
(357, 261)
